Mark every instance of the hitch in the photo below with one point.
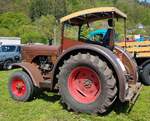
(134, 91)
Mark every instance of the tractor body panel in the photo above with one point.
(29, 52)
(38, 62)
(32, 70)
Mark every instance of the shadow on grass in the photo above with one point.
(120, 107)
(1, 69)
(48, 98)
(117, 107)
(124, 107)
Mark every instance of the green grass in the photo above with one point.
(48, 108)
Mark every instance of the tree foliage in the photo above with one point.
(37, 20)
(30, 33)
(46, 24)
(11, 20)
(45, 7)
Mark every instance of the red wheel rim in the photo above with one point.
(84, 84)
(18, 87)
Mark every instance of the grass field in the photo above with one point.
(48, 108)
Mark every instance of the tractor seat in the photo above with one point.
(107, 40)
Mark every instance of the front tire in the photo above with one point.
(87, 84)
(20, 86)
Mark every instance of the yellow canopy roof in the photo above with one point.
(93, 14)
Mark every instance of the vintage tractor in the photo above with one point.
(90, 75)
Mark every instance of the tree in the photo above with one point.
(6, 32)
(46, 25)
(12, 20)
(45, 7)
(59, 8)
(38, 8)
(114, 1)
(6, 5)
(31, 33)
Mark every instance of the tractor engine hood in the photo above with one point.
(29, 52)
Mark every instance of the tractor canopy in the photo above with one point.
(81, 23)
(93, 14)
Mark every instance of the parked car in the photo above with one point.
(9, 54)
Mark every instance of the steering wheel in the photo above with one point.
(84, 37)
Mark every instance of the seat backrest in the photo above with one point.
(107, 37)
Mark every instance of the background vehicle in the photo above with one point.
(9, 54)
(90, 76)
(141, 53)
(10, 41)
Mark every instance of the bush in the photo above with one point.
(6, 32)
(34, 37)
(12, 20)
(46, 25)
(30, 33)
(38, 8)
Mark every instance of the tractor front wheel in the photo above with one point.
(87, 84)
(20, 86)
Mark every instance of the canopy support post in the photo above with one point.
(62, 36)
(79, 32)
(125, 32)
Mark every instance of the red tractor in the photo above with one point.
(90, 75)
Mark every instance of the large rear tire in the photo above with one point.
(87, 84)
(20, 86)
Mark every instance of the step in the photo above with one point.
(134, 91)
(46, 84)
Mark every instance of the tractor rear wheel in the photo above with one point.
(20, 86)
(145, 75)
(87, 84)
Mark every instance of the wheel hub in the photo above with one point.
(87, 83)
(84, 84)
(18, 87)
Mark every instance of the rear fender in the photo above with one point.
(129, 63)
(105, 54)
